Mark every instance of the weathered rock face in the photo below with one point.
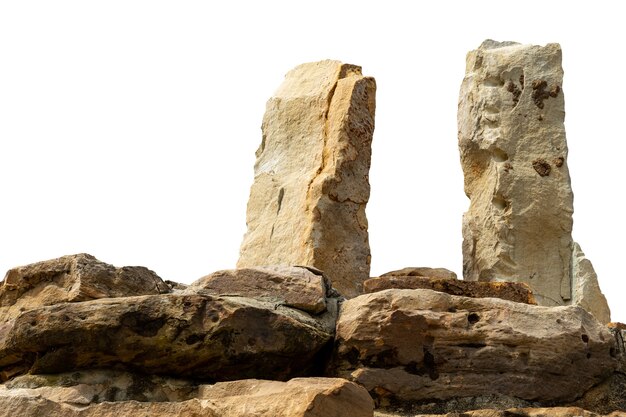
(514, 157)
(421, 271)
(303, 397)
(511, 412)
(585, 288)
(307, 203)
(306, 397)
(192, 336)
(297, 287)
(412, 345)
(70, 279)
(512, 291)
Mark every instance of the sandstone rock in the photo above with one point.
(314, 397)
(307, 203)
(306, 397)
(70, 279)
(607, 397)
(419, 271)
(513, 412)
(192, 336)
(512, 291)
(99, 385)
(514, 157)
(296, 287)
(585, 288)
(414, 345)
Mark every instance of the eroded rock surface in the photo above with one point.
(514, 158)
(72, 278)
(302, 397)
(512, 291)
(193, 336)
(296, 287)
(307, 203)
(421, 271)
(413, 345)
(306, 397)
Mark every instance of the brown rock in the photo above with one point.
(300, 397)
(419, 271)
(307, 203)
(296, 287)
(606, 397)
(512, 412)
(512, 291)
(413, 345)
(196, 336)
(70, 279)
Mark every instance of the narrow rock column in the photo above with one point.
(307, 203)
(514, 157)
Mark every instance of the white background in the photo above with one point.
(128, 128)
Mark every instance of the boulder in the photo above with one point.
(512, 412)
(306, 397)
(185, 335)
(307, 202)
(70, 279)
(302, 397)
(514, 156)
(585, 287)
(418, 345)
(421, 271)
(297, 287)
(512, 291)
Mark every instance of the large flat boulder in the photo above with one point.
(293, 286)
(512, 291)
(72, 278)
(302, 397)
(187, 335)
(413, 345)
(514, 157)
(311, 184)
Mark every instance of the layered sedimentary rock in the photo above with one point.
(421, 271)
(512, 291)
(307, 203)
(303, 397)
(297, 287)
(413, 345)
(186, 335)
(72, 278)
(514, 157)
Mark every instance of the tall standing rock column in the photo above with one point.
(307, 203)
(514, 157)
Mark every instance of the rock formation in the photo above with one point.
(416, 345)
(307, 203)
(514, 157)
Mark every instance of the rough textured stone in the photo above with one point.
(99, 385)
(413, 345)
(421, 271)
(296, 287)
(192, 336)
(585, 288)
(512, 412)
(512, 291)
(70, 279)
(514, 158)
(307, 203)
(607, 397)
(300, 397)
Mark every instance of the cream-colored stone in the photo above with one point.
(301, 397)
(585, 288)
(307, 203)
(514, 157)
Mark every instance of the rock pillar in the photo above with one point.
(514, 156)
(307, 203)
